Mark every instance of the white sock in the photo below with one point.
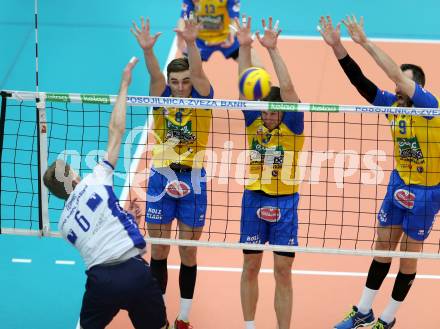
(366, 301)
(163, 296)
(249, 324)
(389, 313)
(185, 307)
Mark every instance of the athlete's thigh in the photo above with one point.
(284, 231)
(95, 315)
(387, 237)
(148, 312)
(99, 304)
(160, 206)
(187, 232)
(389, 213)
(145, 304)
(159, 230)
(191, 208)
(418, 223)
(252, 228)
(409, 244)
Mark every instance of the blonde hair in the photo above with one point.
(58, 180)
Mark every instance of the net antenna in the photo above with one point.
(40, 112)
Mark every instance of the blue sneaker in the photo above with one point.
(355, 319)
(381, 324)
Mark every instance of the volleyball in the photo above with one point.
(254, 83)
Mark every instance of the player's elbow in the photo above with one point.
(288, 93)
(397, 76)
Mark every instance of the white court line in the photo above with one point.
(143, 140)
(21, 260)
(263, 270)
(393, 40)
(301, 272)
(65, 262)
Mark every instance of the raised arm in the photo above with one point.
(198, 77)
(388, 65)
(332, 37)
(269, 41)
(244, 37)
(146, 42)
(187, 8)
(116, 126)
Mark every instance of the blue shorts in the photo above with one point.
(206, 51)
(128, 286)
(265, 218)
(411, 206)
(180, 195)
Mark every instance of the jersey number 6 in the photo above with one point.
(82, 221)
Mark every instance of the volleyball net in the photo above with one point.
(343, 167)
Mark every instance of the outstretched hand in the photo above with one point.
(190, 29)
(271, 33)
(143, 35)
(355, 29)
(127, 73)
(244, 34)
(331, 35)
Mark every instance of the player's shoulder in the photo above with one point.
(251, 117)
(294, 121)
(195, 93)
(423, 92)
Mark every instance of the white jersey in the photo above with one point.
(94, 222)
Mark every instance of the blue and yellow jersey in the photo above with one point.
(181, 133)
(214, 17)
(416, 139)
(274, 154)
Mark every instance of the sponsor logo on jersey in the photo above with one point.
(153, 213)
(253, 239)
(410, 150)
(94, 201)
(269, 214)
(177, 189)
(405, 198)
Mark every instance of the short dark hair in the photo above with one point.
(52, 178)
(274, 95)
(417, 71)
(177, 65)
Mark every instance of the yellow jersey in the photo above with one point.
(181, 134)
(416, 139)
(214, 17)
(274, 154)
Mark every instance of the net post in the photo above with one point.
(4, 96)
(43, 195)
